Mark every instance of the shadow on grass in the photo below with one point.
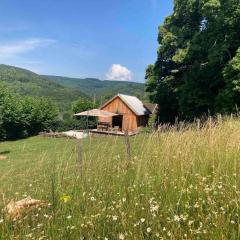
(4, 152)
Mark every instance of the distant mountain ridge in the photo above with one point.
(64, 90)
(98, 88)
(27, 83)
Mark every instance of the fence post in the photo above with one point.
(198, 124)
(80, 156)
(127, 144)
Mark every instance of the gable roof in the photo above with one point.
(133, 103)
(152, 107)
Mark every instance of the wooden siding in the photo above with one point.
(142, 121)
(130, 122)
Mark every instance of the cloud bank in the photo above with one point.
(118, 72)
(15, 48)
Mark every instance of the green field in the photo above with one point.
(181, 183)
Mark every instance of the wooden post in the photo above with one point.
(237, 110)
(198, 124)
(127, 144)
(80, 156)
(128, 161)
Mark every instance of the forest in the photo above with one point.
(197, 71)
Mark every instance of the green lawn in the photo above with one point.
(176, 185)
(30, 162)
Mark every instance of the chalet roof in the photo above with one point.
(133, 103)
(152, 107)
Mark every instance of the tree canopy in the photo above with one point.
(197, 70)
(83, 104)
(24, 116)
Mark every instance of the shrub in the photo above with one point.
(23, 117)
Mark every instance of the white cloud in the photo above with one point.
(118, 72)
(13, 49)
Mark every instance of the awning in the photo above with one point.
(96, 113)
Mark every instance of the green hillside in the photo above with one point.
(64, 90)
(93, 86)
(27, 83)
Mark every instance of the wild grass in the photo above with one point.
(179, 183)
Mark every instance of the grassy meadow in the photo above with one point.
(179, 183)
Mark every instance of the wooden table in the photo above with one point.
(103, 126)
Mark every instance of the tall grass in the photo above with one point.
(181, 182)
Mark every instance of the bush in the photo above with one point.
(40, 114)
(22, 117)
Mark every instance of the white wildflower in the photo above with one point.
(149, 229)
(121, 236)
(196, 205)
(177, 218)
(154, 208)
(142, 220)
(93, 199)
(190, 222)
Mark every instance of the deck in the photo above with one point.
(109, 132)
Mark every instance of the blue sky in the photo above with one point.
(106, 39)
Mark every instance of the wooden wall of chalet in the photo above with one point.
(130, 122)
(142, 121)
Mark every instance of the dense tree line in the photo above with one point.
(197, 71)
(69, 121)
(24, 116)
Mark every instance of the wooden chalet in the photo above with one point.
(131, 114)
